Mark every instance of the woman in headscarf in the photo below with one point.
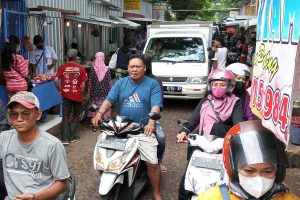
(99, 85)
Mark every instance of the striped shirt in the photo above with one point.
(15, 77)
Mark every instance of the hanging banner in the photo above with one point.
(132, 4)
(274, 64)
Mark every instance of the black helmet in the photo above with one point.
(250, 143)
(37, 39)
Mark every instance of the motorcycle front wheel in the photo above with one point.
(114, 193)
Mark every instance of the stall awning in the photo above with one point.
(140, 19)
(111, 6)
(112, 22)
(89, 21)
(130, 24)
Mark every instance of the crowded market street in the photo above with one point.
(80, 157)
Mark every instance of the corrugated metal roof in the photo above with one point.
(82, 6)
(90, 21)
(130, 24)
(108, 4)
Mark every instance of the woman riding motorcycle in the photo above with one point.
(219, 110)
(255, 161)
(242, 77)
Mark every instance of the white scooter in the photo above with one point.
(116, 156)
(205, 168)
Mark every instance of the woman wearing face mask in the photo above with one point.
(14, 67)
(219, 110)
(255, 161)
(242, 80)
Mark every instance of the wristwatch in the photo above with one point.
(101, 113)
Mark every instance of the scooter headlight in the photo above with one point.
(117, 163)
(99, 161)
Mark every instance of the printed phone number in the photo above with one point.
(274, 104)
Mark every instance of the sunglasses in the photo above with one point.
(15, 115)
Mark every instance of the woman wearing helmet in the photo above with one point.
(255, 161)
(242, 78)
(219, 110)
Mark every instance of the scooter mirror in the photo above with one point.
(154, 115)
(182, 122)
(93, 108)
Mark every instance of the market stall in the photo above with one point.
(47, 94)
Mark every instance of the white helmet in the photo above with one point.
(239, 69)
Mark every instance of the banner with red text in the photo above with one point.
(274, 64)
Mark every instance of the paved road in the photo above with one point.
(80, 157)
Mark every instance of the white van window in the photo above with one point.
(176, 49)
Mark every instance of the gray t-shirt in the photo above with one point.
(31, 168)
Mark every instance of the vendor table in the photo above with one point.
(47, 95)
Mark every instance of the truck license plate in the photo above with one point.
(172, 88)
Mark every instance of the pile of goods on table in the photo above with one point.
(41, 78)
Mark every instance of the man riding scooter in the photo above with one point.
(137, 95)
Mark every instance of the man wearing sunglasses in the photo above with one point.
(34, 162)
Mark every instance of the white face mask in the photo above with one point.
(256, 186)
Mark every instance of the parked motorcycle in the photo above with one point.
(116, 157)
(205, 168)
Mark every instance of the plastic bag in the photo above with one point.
(113, 60)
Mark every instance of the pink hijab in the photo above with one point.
(208, 117)
(100, 67)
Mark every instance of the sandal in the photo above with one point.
(163, 167)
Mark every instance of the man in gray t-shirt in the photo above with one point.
(34, 162)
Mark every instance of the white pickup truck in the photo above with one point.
(180, 59)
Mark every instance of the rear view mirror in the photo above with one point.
(93, 108)
(154, 115)
(182, 122)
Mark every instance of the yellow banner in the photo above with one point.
(132, 4)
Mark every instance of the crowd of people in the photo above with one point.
(254, 158)
(229, 48)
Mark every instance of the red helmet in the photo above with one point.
(222, 75)
(249, 143)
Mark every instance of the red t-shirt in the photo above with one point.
(72, 76)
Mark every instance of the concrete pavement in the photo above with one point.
(294, 155)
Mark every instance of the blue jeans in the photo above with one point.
(44, 115)
(161, 138)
